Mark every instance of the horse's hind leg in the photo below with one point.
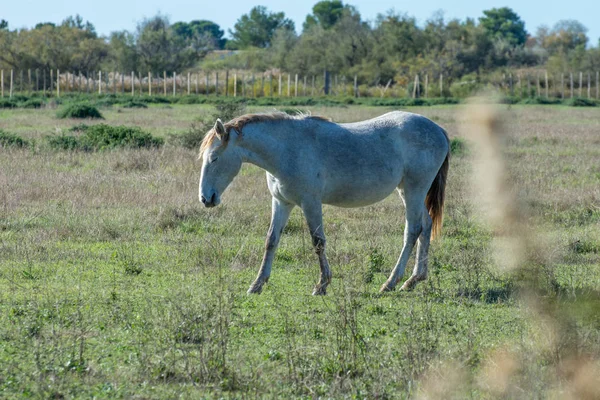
(420, 270)
(279, 217)
(314, 218)
(415, 206)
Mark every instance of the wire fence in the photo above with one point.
(523, 84)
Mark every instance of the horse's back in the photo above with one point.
(363, 162)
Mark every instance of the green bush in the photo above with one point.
(32, 103)
(11, 140)
(102, 136)
(79, 110)
(458, 146)
(63, 142)
(192, 138)
(134, 104)
(581, 102)
(8, 103)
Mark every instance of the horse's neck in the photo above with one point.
(262, 147)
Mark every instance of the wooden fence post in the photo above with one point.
(355, 86)
(546, 82)
(580, 82)
(289, 84)
(37, 79)
(57, 82)
(174, 83)
(415, 85)
(149, 83)
(597, 87)
(99, 82)
(242, 78)
(279, 88)
(188, 84)
(164, 83)
(271, 88)
(196, 82)
(44, 79)
(510, 84)
(226, 83)
(571, 79)
(2, 82)
(304, 87)
(296, 87)
(537, 83)
(51, 81)
(326, 83)
(589, 86)
(441, 84)
(562, 85)
(262, 85)
(235, 84)
(426, 84)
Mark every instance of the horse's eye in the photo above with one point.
(213, 160)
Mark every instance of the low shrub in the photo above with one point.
(79, 110)
(8, 103)
(581, 102)
(458, 147)
(192, 138)
(134, 104)
(32, 103)
(63, 142)
(102, 137)
(11, 140)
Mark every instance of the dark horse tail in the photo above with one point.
(435, 196)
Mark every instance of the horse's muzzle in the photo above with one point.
(209, 202)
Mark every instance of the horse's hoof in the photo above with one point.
(319, 291)
(255, 289)
(409, 285)
(412, 282)
(386, 288)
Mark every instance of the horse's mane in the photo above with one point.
(240, 122)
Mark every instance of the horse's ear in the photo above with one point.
(220, 130)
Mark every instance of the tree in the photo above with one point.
(71, 46)
(326, 13)
(123, 54)
(256, 29)
(201, 33)
(503, 23)
(566, 35)
(3, 24)
(159, 48)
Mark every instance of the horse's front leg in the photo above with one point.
(279, 217)
(313, 212)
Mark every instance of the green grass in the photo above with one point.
(116, 283)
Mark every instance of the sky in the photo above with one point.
(114, 15)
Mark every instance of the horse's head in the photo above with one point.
(220, 163)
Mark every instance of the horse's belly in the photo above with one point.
(357, 195)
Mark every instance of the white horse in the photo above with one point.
(311, 161)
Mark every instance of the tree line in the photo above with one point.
(333, 37)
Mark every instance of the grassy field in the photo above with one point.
(116, 283)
